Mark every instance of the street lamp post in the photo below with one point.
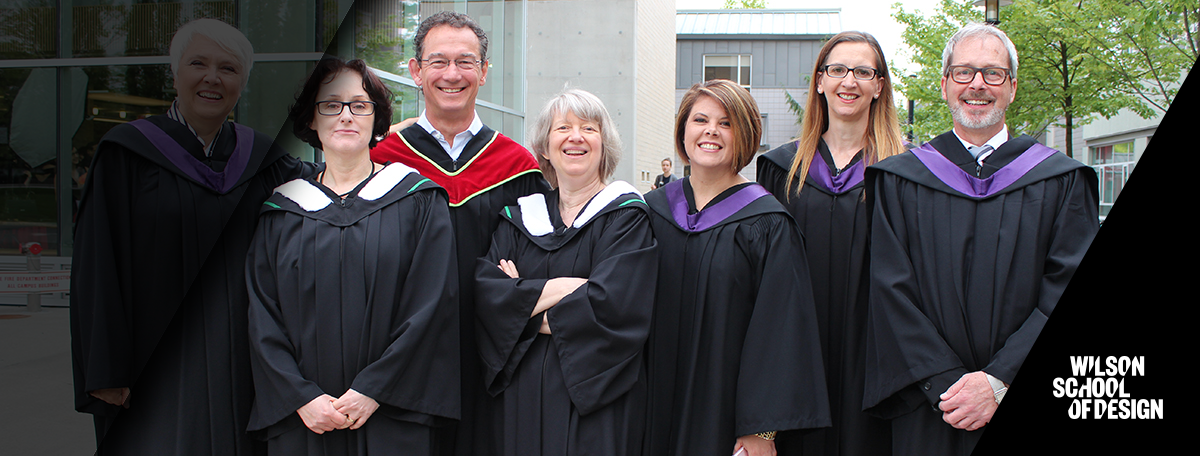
(991, 9)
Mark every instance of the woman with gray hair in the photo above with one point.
(158, 292)
(564, 297)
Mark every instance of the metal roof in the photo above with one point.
(809, 22)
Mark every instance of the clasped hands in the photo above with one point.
(326, 413)
(969, 403)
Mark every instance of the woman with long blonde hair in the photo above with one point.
(849, 124)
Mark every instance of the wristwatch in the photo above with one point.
(998, 388)
(769, 435)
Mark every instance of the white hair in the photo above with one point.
(979, 29)
(226, 36)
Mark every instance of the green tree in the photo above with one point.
(745, 4)
(1069, 72)
(1146, 45)
(925, 37)
(794, 107)
(1061, 82)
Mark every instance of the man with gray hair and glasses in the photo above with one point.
(974, 237)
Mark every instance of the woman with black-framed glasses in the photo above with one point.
(849, 123)
(353, 310)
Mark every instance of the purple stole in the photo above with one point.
(971, 186)
(220, 182)
(845, 180)
(712, 215)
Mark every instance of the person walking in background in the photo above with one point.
(666, 177)
(849, 123)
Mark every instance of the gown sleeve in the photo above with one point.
(599, 330)
(420, 367)
(1075, 226)
(781, 380)
(280, 387)
(903, 345)
(772, 179)
(101, 320)
(503, 306)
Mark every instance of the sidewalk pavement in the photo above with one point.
(38, 416)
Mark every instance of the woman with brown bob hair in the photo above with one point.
(733, 351)
(849, 124)
(353, 310)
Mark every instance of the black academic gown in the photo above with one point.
(965, 282)
(733, 346)
(354, 294)
(474, 222)
(581, 389)
(832, 214)
(158, 294)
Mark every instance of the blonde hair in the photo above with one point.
(744, 118)
(883, 137)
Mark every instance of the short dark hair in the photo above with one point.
(454, 19)
(326, 70)
(743, 115)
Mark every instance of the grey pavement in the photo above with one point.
(38, 416)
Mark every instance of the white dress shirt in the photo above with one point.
(460, 140)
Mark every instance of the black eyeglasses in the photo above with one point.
(333, 108)
(964, 74)
(839, 71)
(462, 64)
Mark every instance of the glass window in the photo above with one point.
(1114, 153)
(28, 29)
(129, 28)
(55, 116)
(732, 67)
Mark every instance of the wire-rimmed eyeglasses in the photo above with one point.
(442, 63)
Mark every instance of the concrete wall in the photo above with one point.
(655, 97)
(620, 53)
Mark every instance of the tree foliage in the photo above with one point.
(794, 106)
(1078, 59)
(745, 4)
(1147, 45)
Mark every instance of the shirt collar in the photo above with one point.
(175, 114)
(474, 128)
(995, 142)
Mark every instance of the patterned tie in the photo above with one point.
(980, 153)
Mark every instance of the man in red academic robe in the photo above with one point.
(482, 171)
